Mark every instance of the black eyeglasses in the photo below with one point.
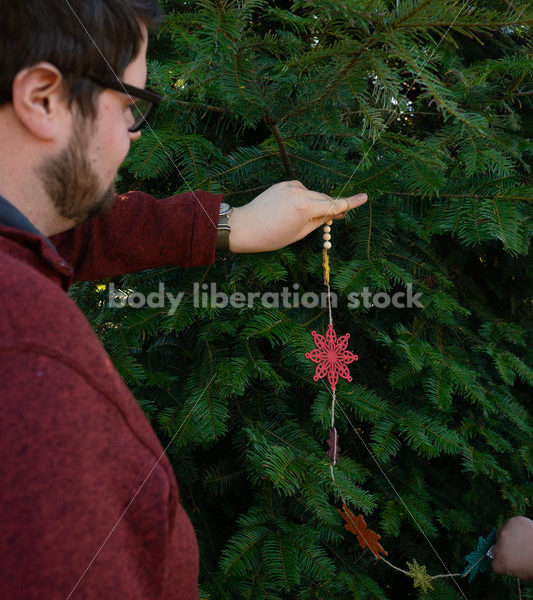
(143, 100)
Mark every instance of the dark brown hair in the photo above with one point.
(77, 36)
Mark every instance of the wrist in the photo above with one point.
(236, 243)
(224, 228)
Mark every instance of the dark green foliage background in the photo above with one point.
(427, 107)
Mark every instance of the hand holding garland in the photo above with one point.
(283, 214)
(513, 551)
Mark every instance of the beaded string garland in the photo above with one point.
(332, 359)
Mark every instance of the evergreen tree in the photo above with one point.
(426, 105)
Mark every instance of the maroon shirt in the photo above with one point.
(89, 505)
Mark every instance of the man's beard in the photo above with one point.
(71, 182)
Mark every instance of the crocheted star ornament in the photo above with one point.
(478, 561)
(421, 579)
(331, 355)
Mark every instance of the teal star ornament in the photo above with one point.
(478, 561)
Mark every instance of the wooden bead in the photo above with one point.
(327, 245)
(330, 222)
(327, 228)
(326, 237)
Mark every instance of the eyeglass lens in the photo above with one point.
(140, 110)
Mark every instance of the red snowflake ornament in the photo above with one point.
(331, 355)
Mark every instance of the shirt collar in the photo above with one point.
(23, 231)
(10, 216)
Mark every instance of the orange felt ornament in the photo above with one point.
(366, 537)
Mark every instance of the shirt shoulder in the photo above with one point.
(36, 311)
(39, 318)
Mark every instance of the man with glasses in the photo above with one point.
(89, 506)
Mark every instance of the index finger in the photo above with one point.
(340, 205)
(336, 206)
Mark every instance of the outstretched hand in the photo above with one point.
(284, 214)
(513, 551)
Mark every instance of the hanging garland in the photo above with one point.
(332, 357)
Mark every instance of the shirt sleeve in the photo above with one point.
(85, 506)
(140, 232)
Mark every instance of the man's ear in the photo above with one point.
(39, 100)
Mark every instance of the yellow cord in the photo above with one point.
(325, 264)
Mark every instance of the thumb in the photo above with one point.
(498, 566)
